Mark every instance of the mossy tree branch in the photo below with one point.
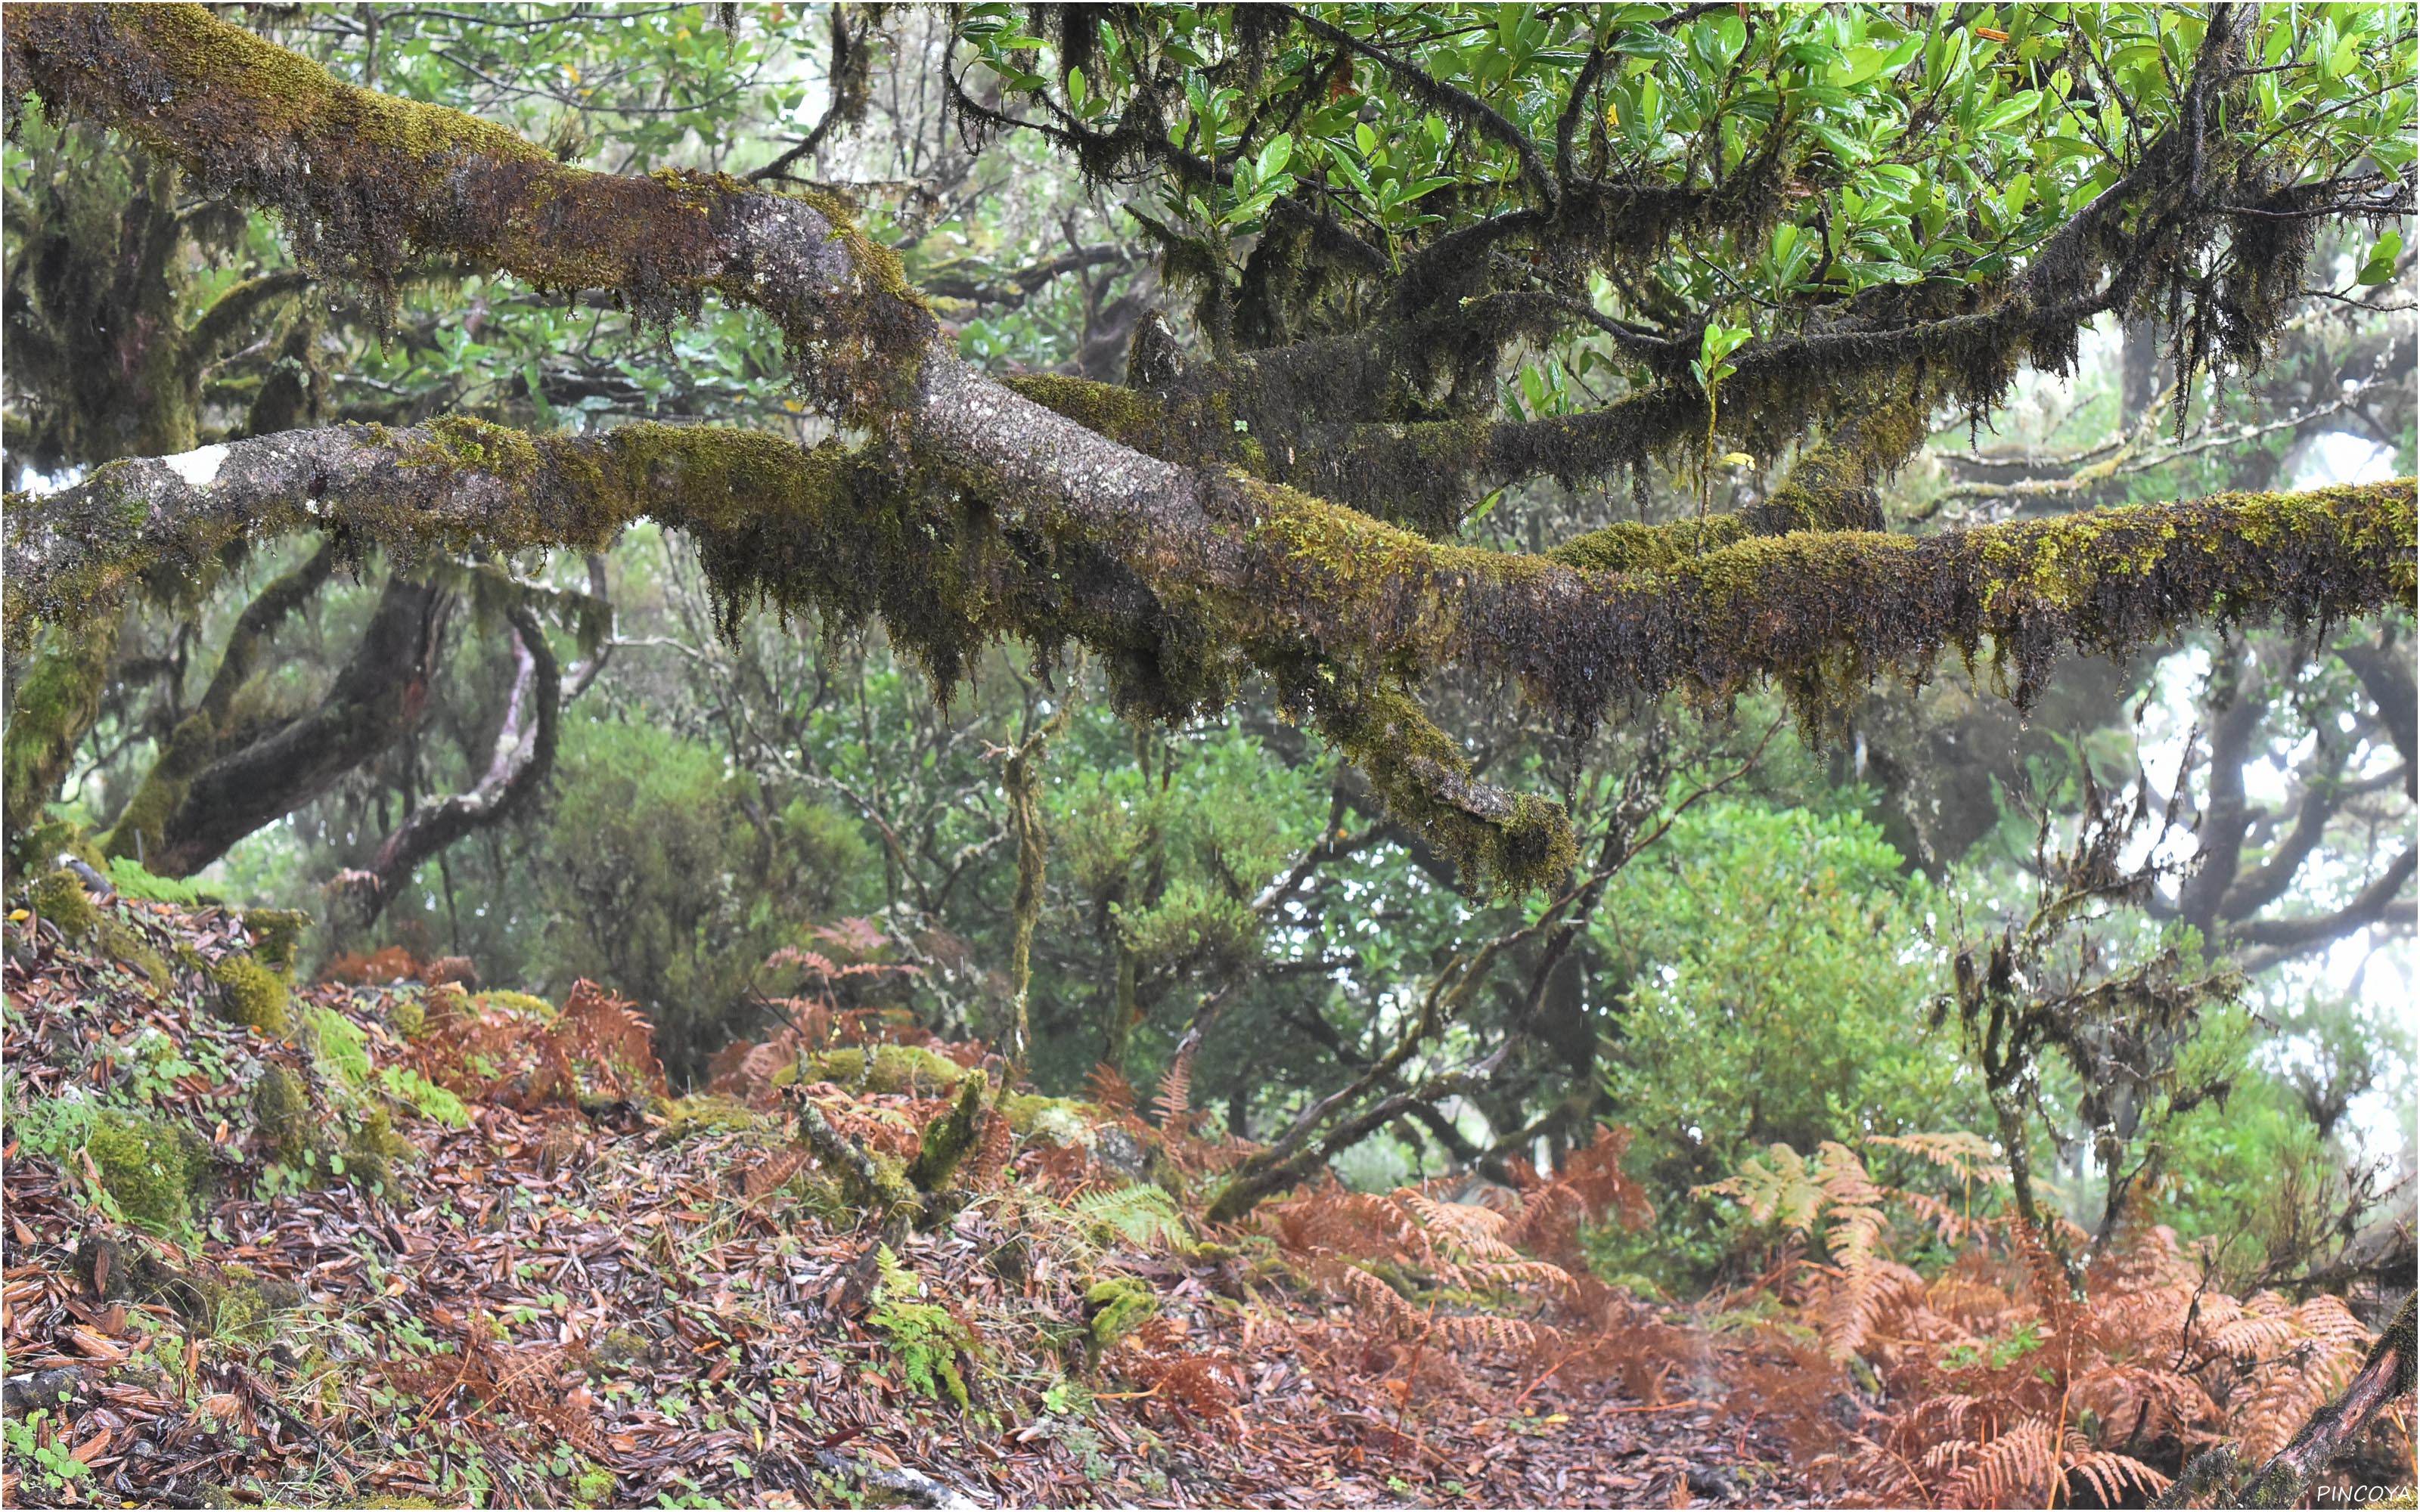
(1342, 613)
(977, 513)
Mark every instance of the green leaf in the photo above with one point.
(1275, 156)
(2379, 268)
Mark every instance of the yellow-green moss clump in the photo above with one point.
(251, 994)
(276, 932)
(238, 1304)
(707, 1112)
(152, 1168)
(407, 1017)
(372, 1149)
(1115, 1308)
(281, 1110)
(60, 897)
(894, 1068)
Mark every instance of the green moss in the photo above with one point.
(372, 1149)
(54, 698)
(237, 1303)
(251, 994)
(407, 1017)
(1628, 545)
(1115, 1308)
(152, 1168)
(126, 945)
(707, 1112)
(276, 932)
(893, 1069)
(519, 1004)
(1063, 1120)
(948, 1137)
(281, 1110)
(593, 1487)
(60, 897)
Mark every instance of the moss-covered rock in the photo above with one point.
(152, 1168)
(1063, 1120)
(407, 1017)
(60, 897)
(251, 994)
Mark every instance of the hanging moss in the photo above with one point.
(152, 1168)
(251, 994)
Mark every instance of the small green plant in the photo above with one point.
(926, 1339)
(1141, 1215)
(424, 1096)
(55, 1467)
(133, 880)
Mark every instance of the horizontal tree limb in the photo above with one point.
(1333, 606)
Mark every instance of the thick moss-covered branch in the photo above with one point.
(1184, 594)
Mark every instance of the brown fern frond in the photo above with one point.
(2019, 1463)
(992, 1154)
(1108, 1087)
(773, 1172)
(2109, 1474)
(1174, 1101)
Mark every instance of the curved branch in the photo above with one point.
(226, 317)
(2281, 939)
(524, 754)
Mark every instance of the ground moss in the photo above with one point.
(499, 1001)
(154, 1170)
(950, 1136)
(124, 944)
(893, 1069)
(407, 1017)
(372, 1149)
(1115, 1308)
(276, 932)
(237, 1303)
(707, 1112)
(281, 1110)
(60, 897)
(251, 994)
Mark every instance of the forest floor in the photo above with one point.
(537, 1290)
